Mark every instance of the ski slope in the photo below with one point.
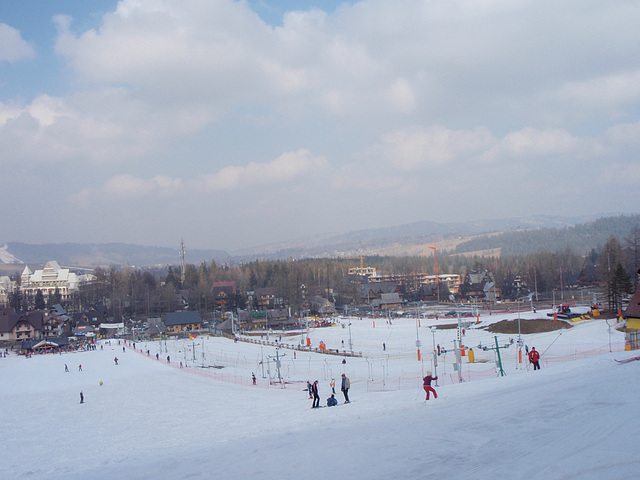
(574, 419)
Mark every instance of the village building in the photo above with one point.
(6, 289)
(387, 301)
(632, 317)
(259, 320)
(51, 280)
(481, 286)
(179, 322)
(224, 295)
(20, 325)
(265, 298)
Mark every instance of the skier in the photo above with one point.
(80, 367)
(81, 397)
(331, 401)
(534, 358)
(310, 389)
(345, 388)
(116, 360)
(316, 395)
(427, 385)
(253, 377)
(66, 369)
(168, 359)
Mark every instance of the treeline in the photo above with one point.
(152, 292)
(582, 238)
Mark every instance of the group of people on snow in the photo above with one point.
(534, 359)
(314, 394)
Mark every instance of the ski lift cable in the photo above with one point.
(561, 332)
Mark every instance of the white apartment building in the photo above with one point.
(49, 279)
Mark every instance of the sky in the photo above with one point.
(576, 418)
(233, 124)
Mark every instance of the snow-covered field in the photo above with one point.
(575, 418)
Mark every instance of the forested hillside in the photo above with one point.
(581, 238)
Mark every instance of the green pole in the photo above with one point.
(502, 374)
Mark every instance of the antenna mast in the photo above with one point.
(182, 260)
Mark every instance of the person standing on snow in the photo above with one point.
(534, 358)
(332, 384)
(310, 389)
(345, 388)
(115, 360)
(316, 395)
(426, 383)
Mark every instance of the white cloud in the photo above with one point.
(624, 136)
(130, 186)
(127, 186)
(620, 88)
(182, 66)
(421, 147)
(402, 96)
(530, 143)
(450, 94)
(105, 125)
(286, 167)
(12, 46)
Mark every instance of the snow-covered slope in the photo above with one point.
(6, 256)
(149, 419)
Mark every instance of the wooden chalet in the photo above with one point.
(178, 322)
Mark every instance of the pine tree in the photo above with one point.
(38, 300)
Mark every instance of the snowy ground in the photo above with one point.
(576, 418)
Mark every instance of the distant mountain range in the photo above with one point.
(509, 236)
(418, 238)
(105, 254)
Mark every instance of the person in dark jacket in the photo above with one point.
(316, 395)
(345, 388)
(534, 358)
(310, 389)
(426, 383)
(331, 401)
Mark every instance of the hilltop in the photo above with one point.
(485, 238)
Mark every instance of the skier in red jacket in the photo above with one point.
(427, 385)
(534, 358)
